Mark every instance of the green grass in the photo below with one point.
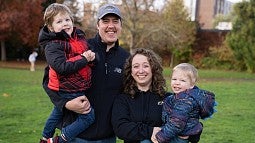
(24, 106)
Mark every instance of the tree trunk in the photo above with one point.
(131, 43)
(171, 61)
(3, 51)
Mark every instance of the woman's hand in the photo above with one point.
(153, 136)
(79, 105)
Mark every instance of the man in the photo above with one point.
(106, 79)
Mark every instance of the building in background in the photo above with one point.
(204, 12)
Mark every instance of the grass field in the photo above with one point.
(24, 106)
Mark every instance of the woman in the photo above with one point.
(138, 110)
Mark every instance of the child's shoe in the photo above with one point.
(42, 141)
(53, 140)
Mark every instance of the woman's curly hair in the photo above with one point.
(158, 84)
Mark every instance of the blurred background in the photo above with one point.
(207, 33)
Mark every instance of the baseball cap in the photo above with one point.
(107, 9)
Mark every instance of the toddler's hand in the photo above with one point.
(89, 55)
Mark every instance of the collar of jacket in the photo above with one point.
(138, 91)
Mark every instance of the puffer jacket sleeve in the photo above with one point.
(55, 56)
(176, 117)
(206, 101)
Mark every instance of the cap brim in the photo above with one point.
(109, 13)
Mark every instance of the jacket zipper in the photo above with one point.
(105, 64)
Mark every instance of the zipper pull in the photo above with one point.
(105, 64)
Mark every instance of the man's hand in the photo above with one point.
(79, 105)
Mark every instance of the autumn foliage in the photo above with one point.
(20, 20)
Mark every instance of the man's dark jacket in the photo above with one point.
(106, 84)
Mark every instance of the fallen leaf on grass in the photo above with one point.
(6, 95)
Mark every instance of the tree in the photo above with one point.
(166, 30)
(178, 32)
(140, 22)
(28, 22)
(241, 39)
(19, 23)
(5, 24)
(73, 5)
(89, 21)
